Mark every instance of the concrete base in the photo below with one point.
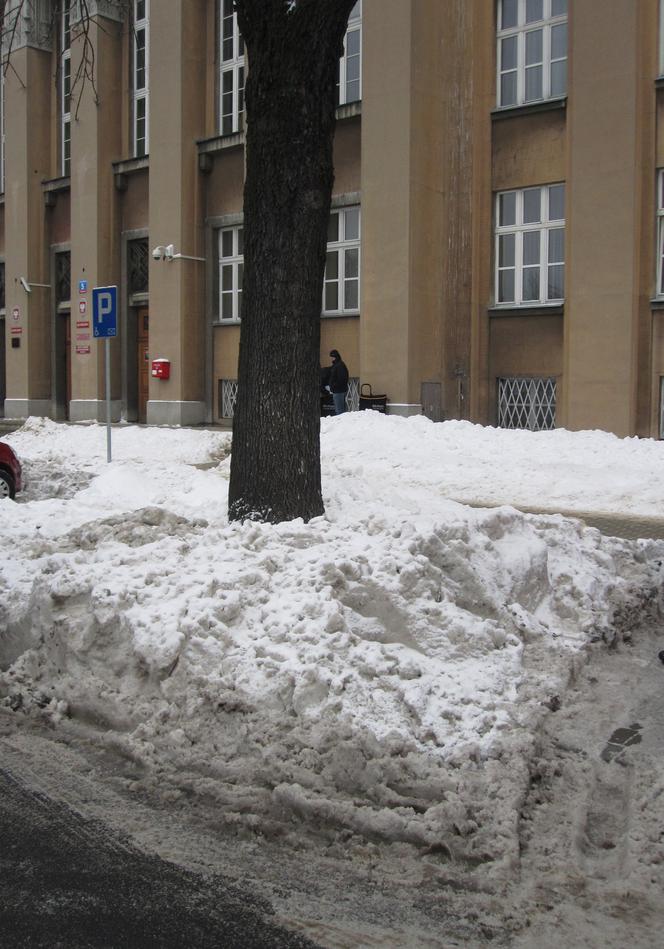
(176, 413)
(405, 409)
(93, 410)
(23, 408)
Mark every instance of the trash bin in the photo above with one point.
(377, 403)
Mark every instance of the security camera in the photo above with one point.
(169, 251)
(26, 286)
(158, 253)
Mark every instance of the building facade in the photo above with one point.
(496, 243)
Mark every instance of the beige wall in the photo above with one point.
(529, 150)
(177, 120)
(95, 223)
(27, 87)
(386, 224)
(602, 216)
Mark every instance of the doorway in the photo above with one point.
(62, 364)
(143, 360)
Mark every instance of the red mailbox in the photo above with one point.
(161, 368)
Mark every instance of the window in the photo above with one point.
(227, 397)
(140, 78)
(231, 79)
(532, 50)
(65, 89)
(341, 291)
(63, 277)
(231, 272)
(530, 246)
(527, 403)
(660, 233)
(349, 82)
(2, 130)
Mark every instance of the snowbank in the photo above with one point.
(380, 671)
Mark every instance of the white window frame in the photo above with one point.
(340, 247)
(65, 88)
(519, 33)
(231, 71)
(350, 76)
(660, 234)
(232, 265)
(518, 230)
(140, 80)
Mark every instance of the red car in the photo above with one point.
(10, 472)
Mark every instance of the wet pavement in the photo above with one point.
(70, 883)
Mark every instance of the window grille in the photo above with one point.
(137, 265)
(2, 285)
(227, 397)
(63, 277)
(527, 403)
(353, 395)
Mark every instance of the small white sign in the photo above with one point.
(16, 313)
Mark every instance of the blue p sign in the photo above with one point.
(104, 312)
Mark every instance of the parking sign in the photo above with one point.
(104, 312)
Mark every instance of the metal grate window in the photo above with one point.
(227, 397)
(63, 277)
(137, 265)
(527, 403)
(353, 395)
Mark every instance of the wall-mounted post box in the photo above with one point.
(161, 368)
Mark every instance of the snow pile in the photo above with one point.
(378, 673)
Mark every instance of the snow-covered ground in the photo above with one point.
(381, 673)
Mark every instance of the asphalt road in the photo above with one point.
(70, 883)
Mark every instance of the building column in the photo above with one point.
(601, 305)
(96, 141)
(177, 298)
(27, 156)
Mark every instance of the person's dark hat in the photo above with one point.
(334, 354)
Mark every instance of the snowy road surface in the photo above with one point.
(408, 723)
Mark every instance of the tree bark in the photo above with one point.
(293, 50)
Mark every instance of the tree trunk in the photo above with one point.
(293, 50)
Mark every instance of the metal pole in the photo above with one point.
(108, 400)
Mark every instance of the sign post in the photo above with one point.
(104, 326)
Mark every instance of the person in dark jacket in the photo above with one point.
(338, 382)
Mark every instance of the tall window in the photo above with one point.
(532, 50)
(140, 78)
(2, 130)
(231, 79)
(341, 292)
(65, 88)
(660, 233)
(530, 246)
(231, 272)
(349, 83)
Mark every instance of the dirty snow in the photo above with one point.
(380, 673)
